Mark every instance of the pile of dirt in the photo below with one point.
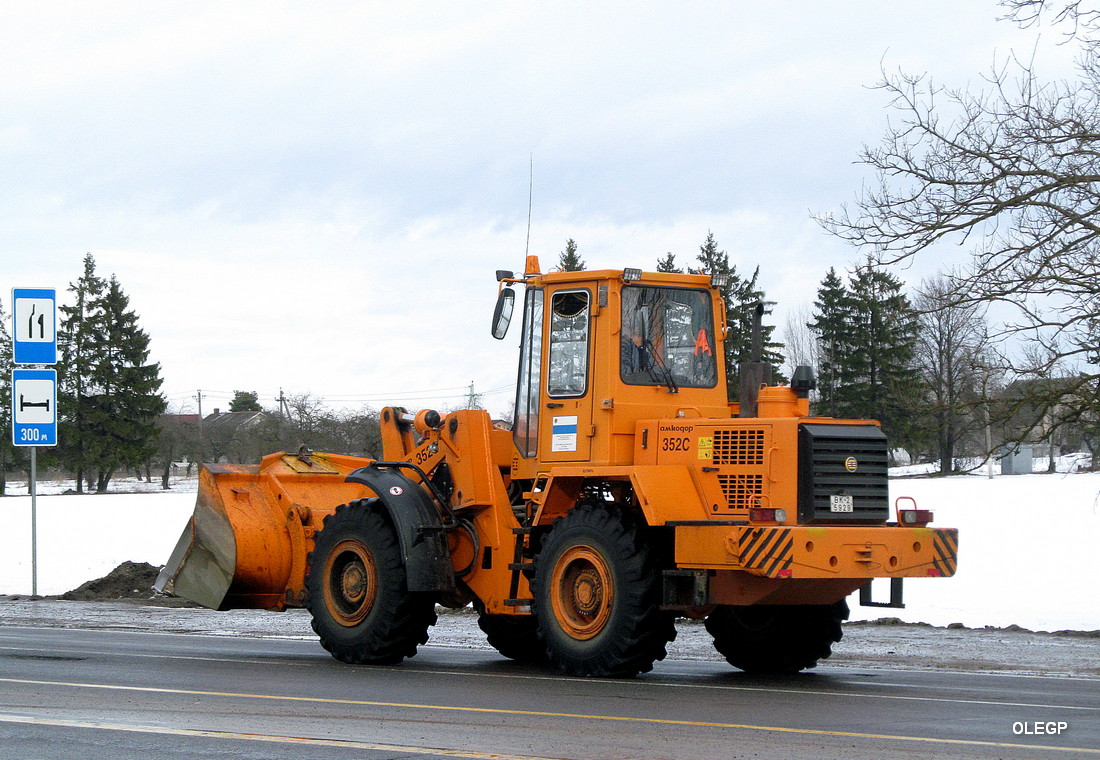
(130, 580)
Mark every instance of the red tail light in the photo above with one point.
(762, 514)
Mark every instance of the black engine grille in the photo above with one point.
(842, 460)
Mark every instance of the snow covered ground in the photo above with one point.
(1026, 546)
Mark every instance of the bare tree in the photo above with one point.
(1075, 16)
(1049, 407)
(951, 351)
(306, 419)
(178, 440)
(800, 341)
(1013, 170)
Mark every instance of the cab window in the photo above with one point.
(525, 429)
(667, 337)
(567, 373)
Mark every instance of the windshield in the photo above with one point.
(668, 338)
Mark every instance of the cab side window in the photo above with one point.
(525, 430)
(567, 374)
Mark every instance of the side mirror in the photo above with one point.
(502, 314)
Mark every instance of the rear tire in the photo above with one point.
(597, 595)
(356, 589)
(776, 639)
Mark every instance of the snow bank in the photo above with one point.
(1025, 547)
(1025, 552)
(85, 537)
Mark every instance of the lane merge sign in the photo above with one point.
(34, 407)
(34, 325)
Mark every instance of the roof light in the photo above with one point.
(632, 275)
(720, 280)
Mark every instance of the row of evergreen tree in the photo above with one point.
(924, 367)
(109, 400)
(866, 333)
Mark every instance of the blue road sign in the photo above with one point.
(34, 407)
(34, 325)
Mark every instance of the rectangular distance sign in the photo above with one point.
(34, 407)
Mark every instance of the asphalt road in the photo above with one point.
(81, 693)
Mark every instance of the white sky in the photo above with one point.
(315, 196)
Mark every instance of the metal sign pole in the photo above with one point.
(34, 390)
(34, 521)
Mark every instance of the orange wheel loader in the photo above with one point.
(628, 492)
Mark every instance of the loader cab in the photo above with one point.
(601, 350)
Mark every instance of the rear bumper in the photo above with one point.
(826, 552)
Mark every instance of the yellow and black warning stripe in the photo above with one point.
(946, 548)
(766, 549)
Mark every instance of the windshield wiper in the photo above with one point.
(667, 380)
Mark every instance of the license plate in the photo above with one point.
(840, 503)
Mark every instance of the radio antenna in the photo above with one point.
(530, 202)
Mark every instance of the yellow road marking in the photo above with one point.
(345, 744)
(547, 714)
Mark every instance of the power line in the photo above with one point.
(374, 399)
(421, 393)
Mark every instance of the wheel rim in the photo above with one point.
(583, 592)
(351, 582)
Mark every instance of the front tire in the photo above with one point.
(776, 639)
(356, 589)
(597, 594)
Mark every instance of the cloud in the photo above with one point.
(314, 196)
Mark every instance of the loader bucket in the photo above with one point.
(202, 565)
(246, 545)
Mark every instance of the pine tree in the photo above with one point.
(129, 400)
(832, 329)
(245, 401)
(747, 294)
(886, 385)
(9, 453)
(867, 332)
(668, 264)
(569, 261)
(109, 397)
(715, 262)
(740, 297)
(77, 342)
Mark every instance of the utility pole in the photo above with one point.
(472, 397)
(198, 398)
(988, 435)
(984, 370)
